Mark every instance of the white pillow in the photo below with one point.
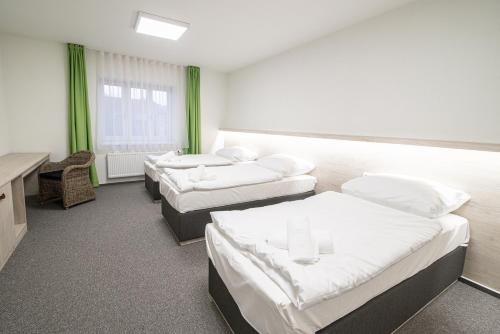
(286, 164)
(421, 197)
(237, 153)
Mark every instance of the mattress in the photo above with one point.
(197, 200)
(269, 310)
(151, 170)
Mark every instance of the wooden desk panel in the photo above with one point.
(13, 225)
(13, 165)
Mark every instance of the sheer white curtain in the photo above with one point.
(140, 104)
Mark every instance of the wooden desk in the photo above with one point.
(13, 224)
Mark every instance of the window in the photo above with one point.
(112, 91)
(131, 114)
(138, 93)
(137, 114)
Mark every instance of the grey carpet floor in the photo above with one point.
(112, 266)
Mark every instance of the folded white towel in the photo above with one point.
(322, 237)
(200, 173)
(164, 157)
(302, 248)
(195, 173)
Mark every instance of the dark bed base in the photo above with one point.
(190, 226)
(382, 314)
(152, 187)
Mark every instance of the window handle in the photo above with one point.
(2, 197)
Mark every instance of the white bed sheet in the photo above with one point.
(269, 310)
(151, 170)
(203, 199)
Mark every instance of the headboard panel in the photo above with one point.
(477, 172)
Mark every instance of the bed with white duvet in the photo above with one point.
(155, 165)
(375, 248)
(189, 195)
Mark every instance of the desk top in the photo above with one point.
(13, 165)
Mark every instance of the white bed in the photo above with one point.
(204, 199)
(151, 170)
(153, 167)
(268, 308)
(187, 199)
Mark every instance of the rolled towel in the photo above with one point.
(323, 238)
(325, 241)
(205, 174)
(196, 174)
(302, 248)
(201, 173)
(183, 183)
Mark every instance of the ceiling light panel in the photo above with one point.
(158, 26)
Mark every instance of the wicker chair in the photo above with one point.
(67, 180)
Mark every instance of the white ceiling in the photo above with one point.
(224, 34)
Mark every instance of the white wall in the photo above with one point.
(213, 87)
(35, 94)
(429, 70)
(35, 84)
(4, 128)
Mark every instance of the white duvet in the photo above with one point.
(222, 177)
(193, 160)
(368, 238)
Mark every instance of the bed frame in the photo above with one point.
(152, 187)
(190, 226)
(382, 314)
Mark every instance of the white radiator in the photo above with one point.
(126, 164)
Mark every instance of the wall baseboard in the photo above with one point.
(479, 286)
(122, 181)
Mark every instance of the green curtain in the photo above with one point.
(80, 133)
(193, 109)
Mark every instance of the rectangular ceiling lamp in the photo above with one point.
(158, 26)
